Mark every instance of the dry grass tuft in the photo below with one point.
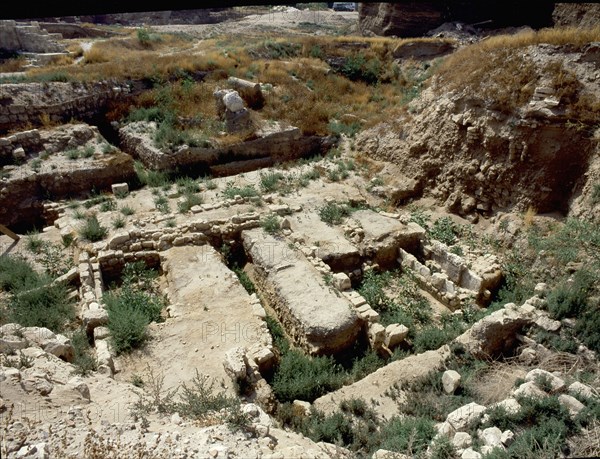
(497, 380)
(500, 71)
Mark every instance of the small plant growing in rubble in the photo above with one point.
(271, 224)
(92, 230)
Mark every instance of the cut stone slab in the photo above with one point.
(377, 386)
(462, 417)
(571, 403)
(214, 315)
(492, 436)
(451, 381)
(313, 315)
(556, 383)
(383, 236)
(332, 246)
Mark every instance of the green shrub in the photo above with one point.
(408, 435)
(305, 378)
(108, 205)
(72, 154)
(596, 194)
(84, 359)
(430, 338)
(271, 224)
(17, 274)
(92, 230)
(161, 203)
(187, 185)
(569, 299)
(244, 280)
(357, 67)
(232, 191)
(118, 222)
(88, 152)
(190, 200)
(36, 164)
(127, 328)
(443, 230)
(333, 213)
(45, 306)
(269, 181)
(127, 210)
(150, 178)
(587, 329)
(34, 243)
(338, 128)
(132, 308)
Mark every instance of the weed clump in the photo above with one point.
(132, 307)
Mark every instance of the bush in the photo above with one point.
(190, 200)
(126, 210)
(271, 224)
(232, 191)
(300, 377)
(127, 328)
(17, 274)
(92, 230)
(569, 299)
(587, 329)
(269, 182)
(430, 338)
(151, 178)
(44, 306)
(84, 360)
(409, 435)
(444, 230)
(132, 308)
(357, 67)
(244, 280)
(333, 213)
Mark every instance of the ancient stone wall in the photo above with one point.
(282, 146)
(30, 103)
(28, 37)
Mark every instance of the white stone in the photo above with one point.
(507, 438)
(235, 363)
(470, 453)
(341, 281)
(395, 334)
(510, 405)
(571, 403)
(120, 188)
(462, 417)
(445, 428)
(529, 389)
(451, 380)
(80, 386)
(492, 436)
(581, 389)
(556, 383)
(462, 440)
(233, 102)
(300, 408)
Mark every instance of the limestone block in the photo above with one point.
(120, 189)
(376, 335)
(462, 417)
(235, 363)
(103, 354)
(80, 386)
(470, 453)
(462, 440)
(93, 318)
(509, 404)
(451, 380)
(581, 389)
(556, 383)
(118, 240)
(507, 438)
(571, 403)
(492, 436)
(529, 389)
(395, 334)
(233, 102)
(341, 282)
(300, 408)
